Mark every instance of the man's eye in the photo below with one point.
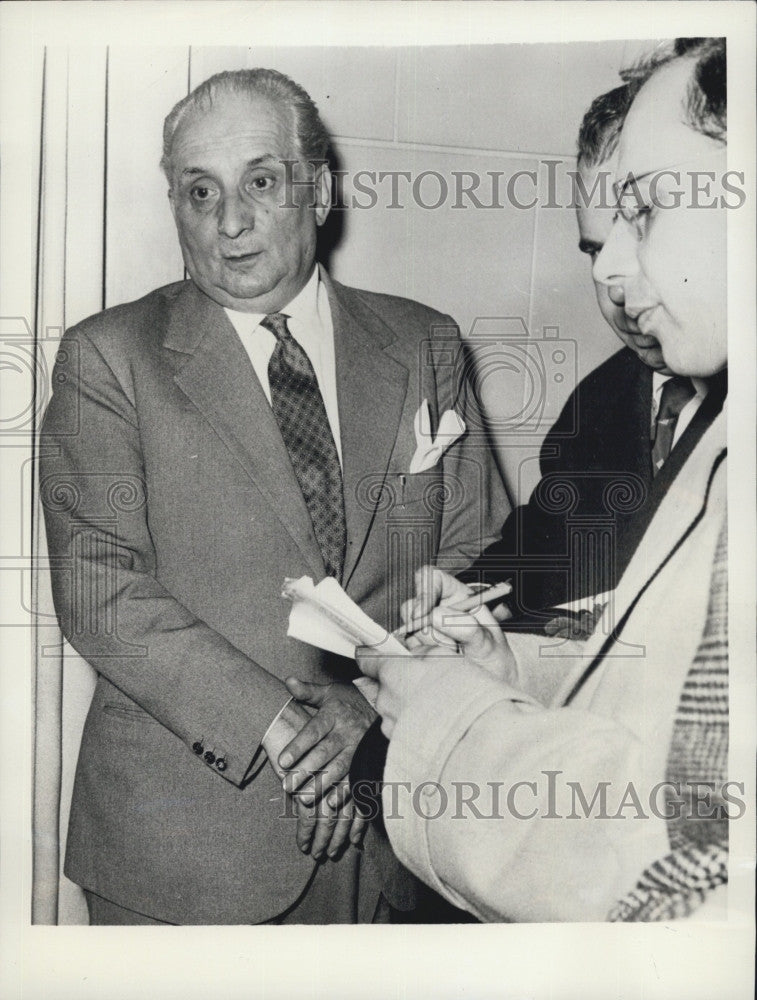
(201, 193)
(262, 183)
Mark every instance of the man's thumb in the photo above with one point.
(309, 694)
(472, 637)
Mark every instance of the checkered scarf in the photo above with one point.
(674, 886)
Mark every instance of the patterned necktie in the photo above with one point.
(676, 393)
(301, 415)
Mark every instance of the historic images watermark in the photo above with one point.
(556, 184)
(547, 795)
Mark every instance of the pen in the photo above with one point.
(485, 596)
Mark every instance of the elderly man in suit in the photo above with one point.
(252, 423)
(588, 780)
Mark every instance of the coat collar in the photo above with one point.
(217, 376)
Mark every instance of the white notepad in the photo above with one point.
(323, 615)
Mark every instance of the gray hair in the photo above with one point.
(309, 135)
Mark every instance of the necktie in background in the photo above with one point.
(676, 393)
(301, 415)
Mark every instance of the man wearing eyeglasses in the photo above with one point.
(599, 750)
(630, 421)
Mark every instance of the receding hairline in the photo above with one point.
(283, 114)
(294, 107)
(684, 66)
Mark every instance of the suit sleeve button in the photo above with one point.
(210, 757)
(197, 747)
(221, 763)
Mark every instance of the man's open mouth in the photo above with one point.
(241, 258)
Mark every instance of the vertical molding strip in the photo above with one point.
(103, 303)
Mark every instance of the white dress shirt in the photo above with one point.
(309, 322)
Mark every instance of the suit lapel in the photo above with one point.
(625, 436)
(219, 379)
(659, 485)
(682, 506)
(371, 386)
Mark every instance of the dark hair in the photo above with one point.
(600, 129)
(309, 136)
(706, 103)
(707, 98)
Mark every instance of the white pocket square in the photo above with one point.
(429, 448)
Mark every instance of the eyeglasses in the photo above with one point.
(636, 210)
(637, 216)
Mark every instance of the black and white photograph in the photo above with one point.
(372, 555)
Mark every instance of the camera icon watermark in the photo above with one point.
(511, 383)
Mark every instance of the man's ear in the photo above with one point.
(322, 193)
(172, 203)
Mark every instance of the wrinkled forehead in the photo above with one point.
(231, 119)
(655, 133)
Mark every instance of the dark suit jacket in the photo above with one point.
(173, 516)
(596, 495)
(596, 487)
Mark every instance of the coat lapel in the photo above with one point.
(219, 379)
(681, 507)
(371, 386)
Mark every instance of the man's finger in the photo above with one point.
(474, 631)
(368, 661)
(407, 609)
(429, 590)
(306, 820)
(312, 765)
(308, 737)
(324, 828)
(387, 726)
(357, 829)
(307, 693)
(501, 612)
(340, 836)
(327, 778)
(413, 642)
(339, 795)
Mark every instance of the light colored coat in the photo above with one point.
(590, 714)
(173, 516)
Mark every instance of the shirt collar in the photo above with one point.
(659, 380)
(303, 308)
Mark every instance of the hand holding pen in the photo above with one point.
(437, 589)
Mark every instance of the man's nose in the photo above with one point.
(235, 216)
(617, 260)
